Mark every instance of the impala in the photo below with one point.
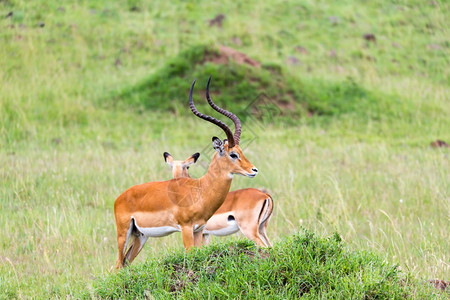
(157, 209)
(247, 210)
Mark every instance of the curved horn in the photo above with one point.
(219, 123)
(233, 117)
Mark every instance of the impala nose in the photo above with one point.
(255, 170)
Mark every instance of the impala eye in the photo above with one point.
(187, 168)
(233, 156)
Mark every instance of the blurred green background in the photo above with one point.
(93, 92)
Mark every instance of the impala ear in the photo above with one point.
(218, 145)
(195, 156)
(168, 158)
(191, 160)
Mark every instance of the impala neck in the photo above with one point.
(217, 181)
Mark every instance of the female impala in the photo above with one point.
(156, 209)
(248, 210)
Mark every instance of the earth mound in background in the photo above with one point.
(238, 82)
(223, 55)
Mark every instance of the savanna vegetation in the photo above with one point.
(302, 265)
(338, 115)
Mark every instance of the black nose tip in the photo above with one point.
(255, 170)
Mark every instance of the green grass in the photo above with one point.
(86, 113)
(302, 265)
(237, 84)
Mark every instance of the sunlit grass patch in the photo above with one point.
(302, 265)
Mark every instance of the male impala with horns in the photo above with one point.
(157, 209)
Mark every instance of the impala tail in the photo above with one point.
(263, 220)
(266, 210)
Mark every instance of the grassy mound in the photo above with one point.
(301, 265)
(236, 83)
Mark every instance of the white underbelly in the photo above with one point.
(163, 230)
(231, 228)
(158, 231)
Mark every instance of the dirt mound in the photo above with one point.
(440, 284)
(439, 144)
(224, 54)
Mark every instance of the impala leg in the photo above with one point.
(121, 241)
(135, 248)
(205, 239)
(266, 212)
(124, 236)
(126, 258)
(252, 233)
(265, 222)
(188, 236)
(263, 235)
(198, 236)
